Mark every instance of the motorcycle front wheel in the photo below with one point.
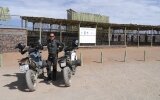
(67, 76)
(31, 80)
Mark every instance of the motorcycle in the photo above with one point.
(68, 62)
(32, 65)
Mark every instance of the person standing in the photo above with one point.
(52, 45)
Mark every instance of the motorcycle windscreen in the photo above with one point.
(36, 58)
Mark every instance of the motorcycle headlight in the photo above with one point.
(32, 64)
(68, 58)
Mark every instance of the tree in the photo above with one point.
(4, 14)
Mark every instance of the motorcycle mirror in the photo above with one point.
(39, 41)
(18, 45)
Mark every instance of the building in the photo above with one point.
(73, 15)
(107, 34)
(87, 17)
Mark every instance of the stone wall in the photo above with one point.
(9, 37)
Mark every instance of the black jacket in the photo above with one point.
(52, 46)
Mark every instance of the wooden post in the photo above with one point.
(101, 57)
(96, 33)
(50, 27)
(109, 32)
(138, 37)
(40, 33)
(66, 27)
(1, 58)
(60, 30)
(125, 54)
(125, 37)
(79, 25)
(152, 37)
(26, 22)
(33, 25)
(81, 59)
(21, 23)
(144, 55)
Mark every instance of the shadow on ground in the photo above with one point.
(139, 60)
(58, 83)
(97, 61)
(19, 84)
(119, 60)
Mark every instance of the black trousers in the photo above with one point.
(52, 66)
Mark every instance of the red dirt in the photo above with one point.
(113, 79)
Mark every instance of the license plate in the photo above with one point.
(63, 64)
(24, 68)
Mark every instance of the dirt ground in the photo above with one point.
(113, 79)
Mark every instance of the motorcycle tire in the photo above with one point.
(67, 76)
(31, 80)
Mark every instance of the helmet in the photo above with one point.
(75, 43)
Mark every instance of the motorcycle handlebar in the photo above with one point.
(23, 49)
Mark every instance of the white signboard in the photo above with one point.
(87, 35)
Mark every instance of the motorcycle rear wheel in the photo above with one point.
(67, 76)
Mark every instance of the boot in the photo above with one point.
(48, 74)
(48, 78)
(54, 77)
(41, 76)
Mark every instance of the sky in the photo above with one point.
(119, 11)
